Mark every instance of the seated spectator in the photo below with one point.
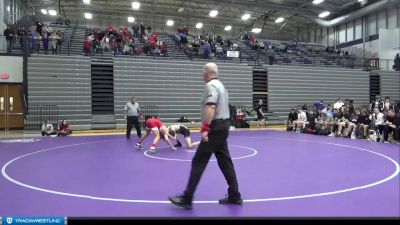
(392, 125)
(48, 129)
(338, 104)
(387, 105)
(322, 124)
(362, 123)
(378, 122)
(301, 121)
(63, 129)
(311, 122)
(319, 106)
(291, 118)
(378, 103)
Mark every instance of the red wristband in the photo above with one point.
(205, 127)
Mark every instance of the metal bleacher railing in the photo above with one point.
(37, 114)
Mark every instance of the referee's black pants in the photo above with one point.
(218, 145)
(129, 122)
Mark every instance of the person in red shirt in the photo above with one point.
(63, 129)
(160, 132)
(86, 46)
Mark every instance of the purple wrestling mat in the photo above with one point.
(280, 174)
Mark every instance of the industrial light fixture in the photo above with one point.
(131, 19)
(246, 16)
(44, 11)
(228, 28)
(213, 13)
(256, 30)
(86, 1)
(88, 16)
(324, 14)
(316, 2)
(279, 20)
(170, 23)
(199, 25)
(52, 12)
(180, 9)
(135, 5)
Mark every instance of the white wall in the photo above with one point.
(388, 46)
(350, 31)
(12, 66)
(372, 24)
(358, 29)
(342, 33)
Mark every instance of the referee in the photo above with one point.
(214, 131)
(131, 114)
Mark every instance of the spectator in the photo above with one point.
(37, 38)
(392, 125)
(291, 118)
(142, 29)
(54, 39)
(363, 123)
(22, 37)
(271, 55)
(387, 105)
(396, 65)
(32, 41)
(63, 129)
(319, 106)
(86, 46)
(9, 34)
(377, 103)
(48, 129)
(135, 29)
(378, 121)
(338, 104)
(39, 27)
(301, 121)
(59, 42)
(45, 43)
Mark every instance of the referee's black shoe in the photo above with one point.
(181, 201)
(228, 200)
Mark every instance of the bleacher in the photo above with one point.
(63, 81)
(174, 86)
(297, 85)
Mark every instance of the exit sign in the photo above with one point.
(5, 76)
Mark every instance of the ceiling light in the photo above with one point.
(88, 16)
(213, 13)
(256, 30)
(228, 28)
(170, 23)
(316, 2)
(246, 16)
(199, 25)
(131, 19)
(180, 9)
(44, 11)
(279, 20)
(135, 5)
(52, 12)
(324, 14)
(86, 1)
